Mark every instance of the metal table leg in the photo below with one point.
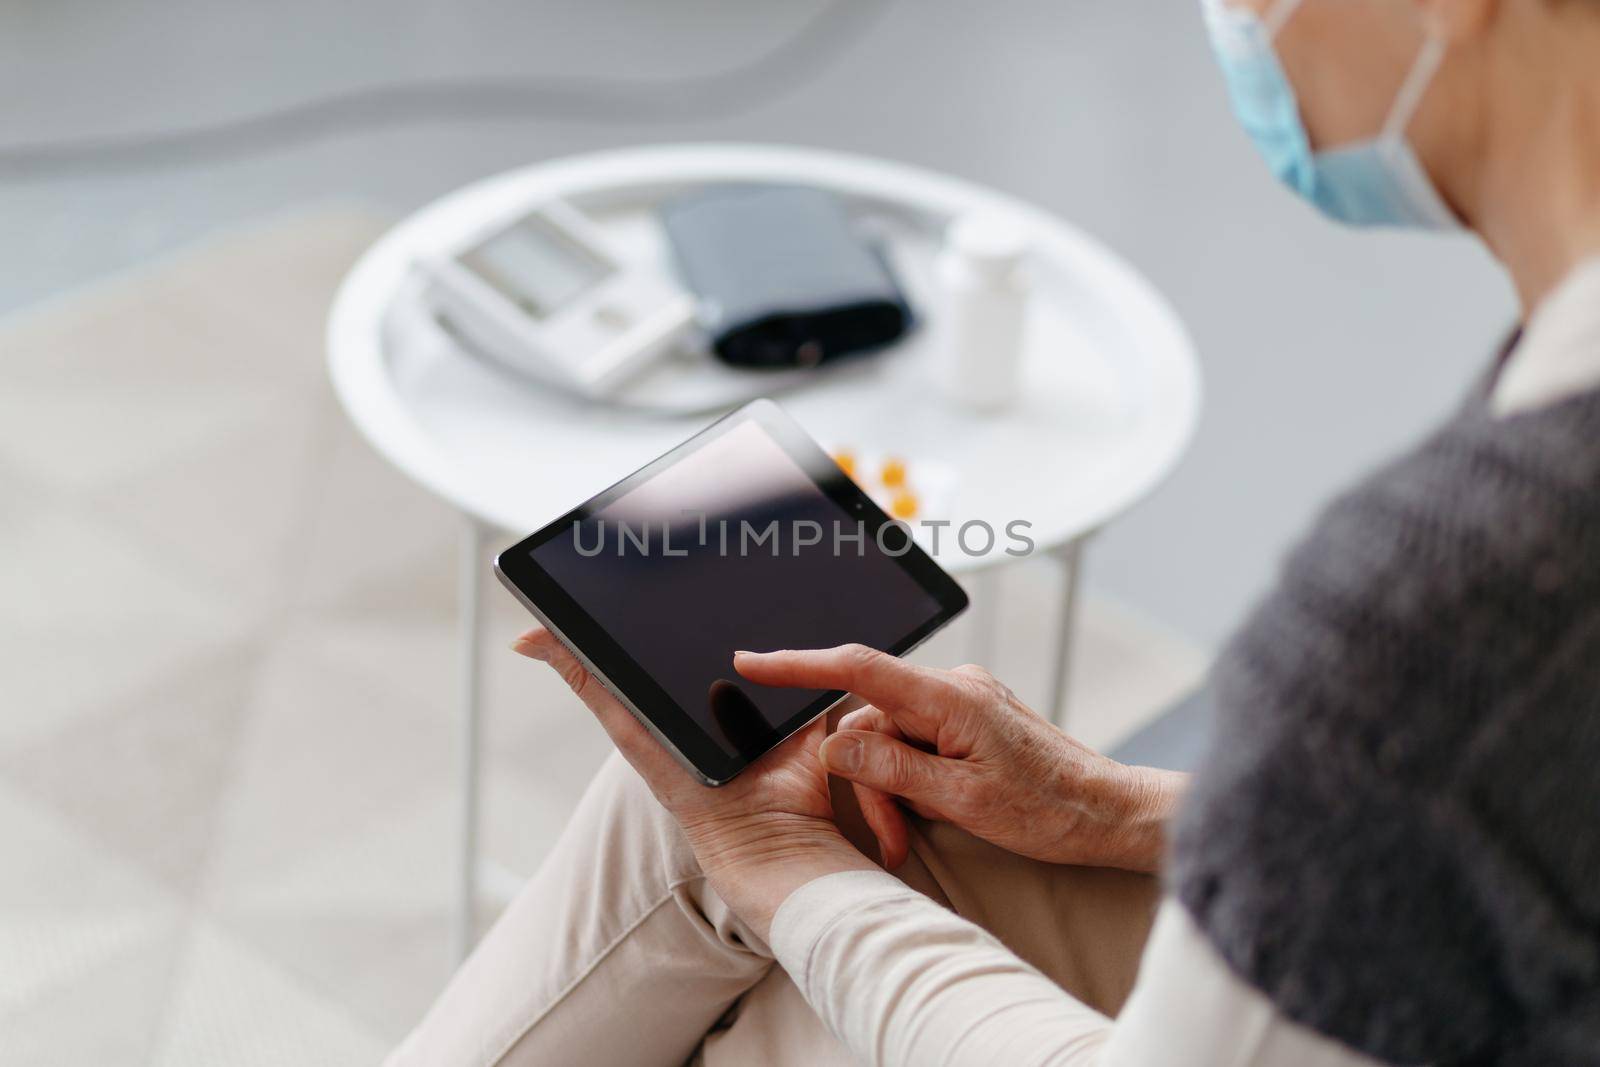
(473, 541)
(1070, 556)
(983, 617)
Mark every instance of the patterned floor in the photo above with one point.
(227, 680)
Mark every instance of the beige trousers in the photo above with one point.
(617, 953)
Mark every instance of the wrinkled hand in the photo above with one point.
(757, 838)
(959, 746)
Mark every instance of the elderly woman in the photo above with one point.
(1392, 852)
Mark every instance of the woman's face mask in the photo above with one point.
(1373, 182)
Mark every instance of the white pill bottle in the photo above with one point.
(983, 289)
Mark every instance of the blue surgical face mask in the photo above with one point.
(1375, 182)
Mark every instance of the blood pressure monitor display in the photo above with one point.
(544, 291)
(537, 267)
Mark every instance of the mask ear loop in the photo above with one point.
(1412, 90)
(1277, 15)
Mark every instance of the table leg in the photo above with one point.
(1070, 557)
(983, 617)
(470, 577)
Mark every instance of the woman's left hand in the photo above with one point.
(759, 837)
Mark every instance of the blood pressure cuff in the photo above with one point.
(781, 277)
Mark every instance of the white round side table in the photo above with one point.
(1110, 388)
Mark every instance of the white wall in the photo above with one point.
(1323, 350)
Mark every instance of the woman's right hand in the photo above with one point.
(959, 746)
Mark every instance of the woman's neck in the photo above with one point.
(1538, 193)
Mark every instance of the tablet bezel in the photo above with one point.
(671, 724)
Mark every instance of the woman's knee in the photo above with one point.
(624, 790)
(620, 809)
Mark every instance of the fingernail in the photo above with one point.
(842, 754)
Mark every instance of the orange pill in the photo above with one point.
(893, 474)
(846, 462)
(904, 505)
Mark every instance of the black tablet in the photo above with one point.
(746, 536)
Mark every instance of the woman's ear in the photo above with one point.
(1456, 20)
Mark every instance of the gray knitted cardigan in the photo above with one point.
(1396, 833)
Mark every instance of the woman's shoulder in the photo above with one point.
(1427, 598)
(1481, 505)
(1456, 569)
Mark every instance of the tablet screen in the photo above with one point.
(734, 546)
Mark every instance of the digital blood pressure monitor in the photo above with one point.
(544, 294)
